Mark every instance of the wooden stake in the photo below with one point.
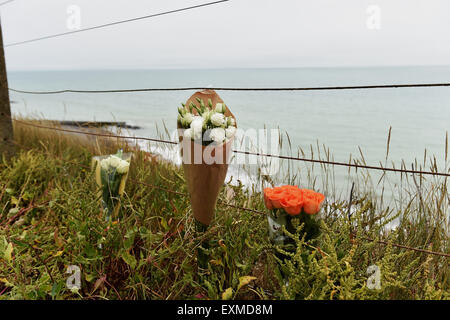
(6, 129)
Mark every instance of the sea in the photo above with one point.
(340, 124)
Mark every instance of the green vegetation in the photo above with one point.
(50, 218)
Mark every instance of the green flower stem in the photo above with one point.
(283, 230)
(202, 255)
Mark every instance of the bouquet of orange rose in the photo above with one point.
(290, 207)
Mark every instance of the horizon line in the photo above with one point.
(223, 68)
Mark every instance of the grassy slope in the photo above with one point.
(49, 216)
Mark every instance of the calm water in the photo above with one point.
(342, 120)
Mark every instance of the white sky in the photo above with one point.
(238, 33)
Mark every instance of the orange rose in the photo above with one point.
(292, 204)
(293, 200)
(285, 197)
(267, 201)
(276, 196)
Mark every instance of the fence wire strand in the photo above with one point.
(378, 86)
(262, 213)
(113, 23)
(6, 2)
(333, 163)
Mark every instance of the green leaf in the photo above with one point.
(6, 282)
(8, 252)
(56, 289)
(164, 224)
(28, 196)
(243, 281)
(12, 212)
(129, 259)
(89, 277)
(90, 251)
(227, 294)
(14, 200)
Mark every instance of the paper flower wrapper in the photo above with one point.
(111, 173)
(205, 167)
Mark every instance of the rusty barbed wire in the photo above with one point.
(264, 213)
(187, 195)
(379, 86)
(408, 248)
(334, 163)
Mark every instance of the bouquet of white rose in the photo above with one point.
(209, 124)
(111, 175)
(206, 129)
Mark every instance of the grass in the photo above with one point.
(50, 219)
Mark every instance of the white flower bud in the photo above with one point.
(231, 122)
(220, 107)
(207, 115)
(188, 117)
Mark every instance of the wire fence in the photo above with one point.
(112, 23)
(258, 154)
(354, 165)
(263, 213)
(6, 2)
(378, 86)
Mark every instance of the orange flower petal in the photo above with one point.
(268, 203)
(276, 204)
(311, 207)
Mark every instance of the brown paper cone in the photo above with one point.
(205, 167)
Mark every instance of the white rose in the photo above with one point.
(197, 134)
(218, 135)
(123, 167)
(220, 107)
(188, 133)
(104, 164)
(230, 131)
(114, 161)
(197, 127)
(218, 119)
(197, 122)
